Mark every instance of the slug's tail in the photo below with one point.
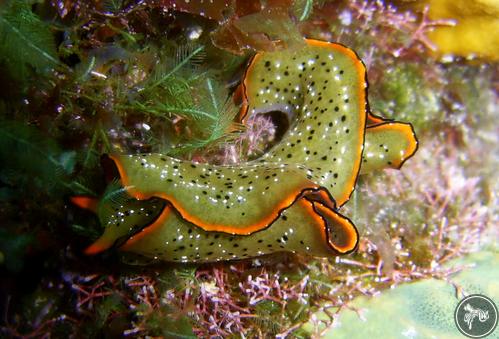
(85, 202)
(89, 203)
(100, 245)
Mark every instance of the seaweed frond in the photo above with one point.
(168, 89)
(187, 55)
(115, 194)
(31, 159)
(303, 9)
(217, 119)
(26, 42)
(180, 89)
(112, 6)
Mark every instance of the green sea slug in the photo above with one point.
(288, 199)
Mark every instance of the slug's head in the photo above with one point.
(121, 217)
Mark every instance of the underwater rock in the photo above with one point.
(423, 309)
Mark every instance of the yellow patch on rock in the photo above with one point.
(476, 32)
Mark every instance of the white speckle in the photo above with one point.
(346, 18)
(410, 333)
(195, 33)
(447, 58)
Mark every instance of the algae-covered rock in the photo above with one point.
(476, 32)
(423, 309)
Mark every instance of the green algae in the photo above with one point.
(419, 309)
